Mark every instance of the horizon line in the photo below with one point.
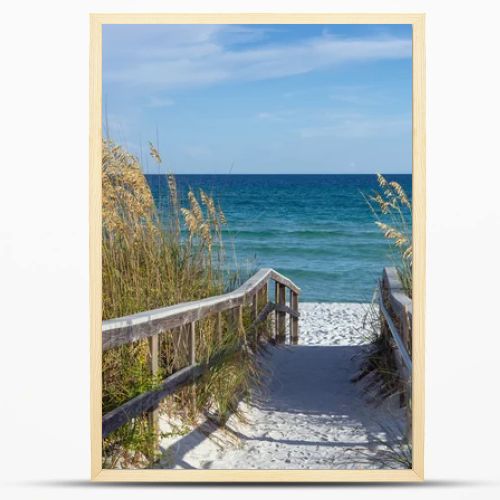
(318, 173)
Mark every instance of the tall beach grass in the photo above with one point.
(149, 262)
(379, 370)
(392, 210)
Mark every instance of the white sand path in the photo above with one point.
(308, 415)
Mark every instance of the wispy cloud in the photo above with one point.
(358, 126)
(211, 54)
(355, 94)
(275, 116)
(264, 115)
(160, 102)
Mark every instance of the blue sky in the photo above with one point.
(261, 98)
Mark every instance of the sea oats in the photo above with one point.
(408, 252)
(172, 186)
(191, 221)
(392, 209)
(155, 154)
(209, 203)
(149, 263)
(381, 180)
(222, 217)
(400, 193)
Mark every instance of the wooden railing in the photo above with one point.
(150, 324)
(396, 310)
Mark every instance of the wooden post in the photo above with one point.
(192, 361)
(280, 316)
(406, 334)
(255, 306)
(409, 417)
(219, 329)
(265, 295)
(405, 321)
(276, 299)
(192, 343)
(384, 327)
(239, 323)
(176, 338)
(255, 313)
(154, 366)
(294, 322)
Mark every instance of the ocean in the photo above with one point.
(315, 229)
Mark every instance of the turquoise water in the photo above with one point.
(315, 229)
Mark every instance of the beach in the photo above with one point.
(307, 414)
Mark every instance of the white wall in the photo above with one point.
(44, 246)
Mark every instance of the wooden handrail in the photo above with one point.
(399, 306)
(150, 324)
(402, 307)
(395, 334)
(398, 298)
(120, 331)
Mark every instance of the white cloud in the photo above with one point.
(160, 102)
(277, 116)
(203, 55)
(358, 126)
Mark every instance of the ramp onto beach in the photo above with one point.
(308, 414)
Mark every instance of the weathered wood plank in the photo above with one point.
(276, 315)
(294, 317)
(192, 360)
(255, 313)
(264, 313)
(265, 299)
(148, 400)
(119, 331)
(154, 365)
(132, 328)
(192, 343)
(283, 308)
(154, 354)
(238, 323)
(254, 284)
(405, 322)
(276, 276)
(280, 313)
(398, 298)
(219, 328)
(395, 335)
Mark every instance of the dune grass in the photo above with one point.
(392, 210)
(379, 370)
(149, 262)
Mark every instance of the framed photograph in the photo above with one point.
(257, 247)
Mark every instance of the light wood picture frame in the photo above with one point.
(419, 253)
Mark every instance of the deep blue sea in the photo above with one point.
(316, 229)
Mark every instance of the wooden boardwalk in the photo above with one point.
(308, 414)
(308, 403)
